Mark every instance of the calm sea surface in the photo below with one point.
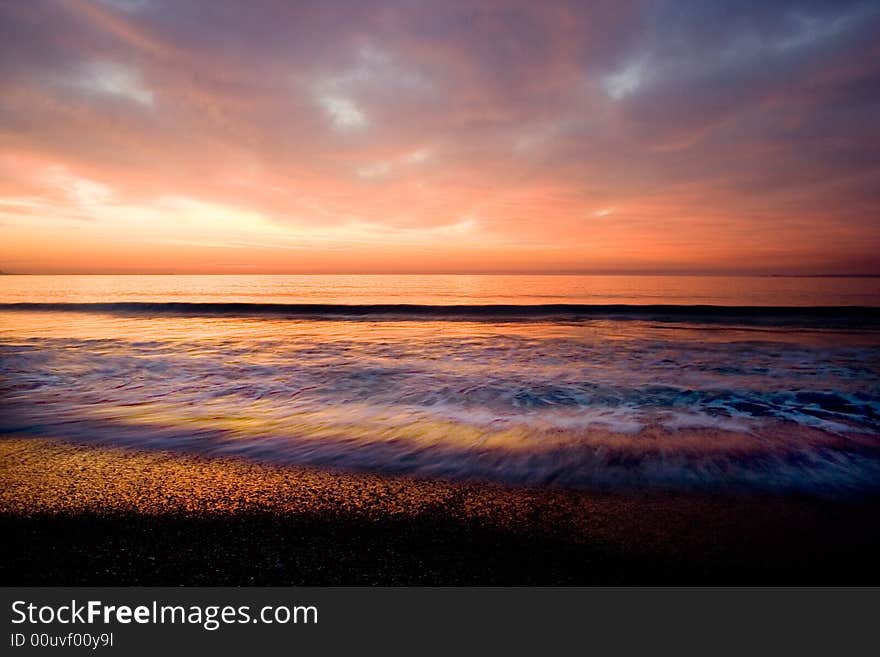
(605, 386)
(441, 289)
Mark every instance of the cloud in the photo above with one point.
(376, 170)
(374, 75)
(416, 156)
(110, 79)
(626, 81)
(84, 193)
(691, 133)
(383, 169)
(342, 112)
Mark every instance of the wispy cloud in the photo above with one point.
(109, 79)
(343, 112)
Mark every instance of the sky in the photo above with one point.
(270, 136)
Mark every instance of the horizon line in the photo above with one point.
(454, 273)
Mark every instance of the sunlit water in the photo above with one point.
(442, 289)
(574, 397)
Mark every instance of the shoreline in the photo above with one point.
(74, 514)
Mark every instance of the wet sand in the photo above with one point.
(86, 515)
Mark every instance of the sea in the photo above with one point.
(729, 384)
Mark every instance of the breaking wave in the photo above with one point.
(607, 396)
(859, 317)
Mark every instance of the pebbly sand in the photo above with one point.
(85, 515)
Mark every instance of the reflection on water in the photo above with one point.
(587, 402)
(445, 290)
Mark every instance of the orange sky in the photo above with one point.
(151, 136)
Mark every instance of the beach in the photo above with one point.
(76, 514)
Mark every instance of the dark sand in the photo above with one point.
(86, 515)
